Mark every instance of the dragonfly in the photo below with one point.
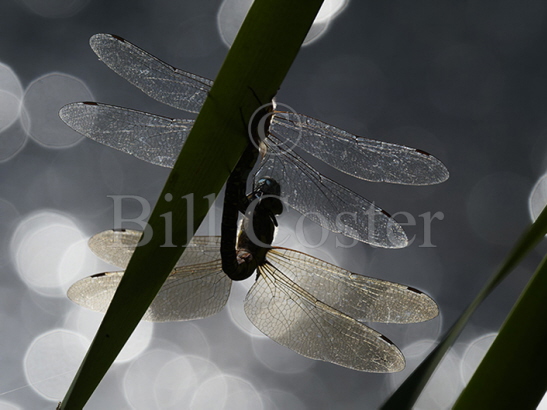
(308, 305)
(158, 140)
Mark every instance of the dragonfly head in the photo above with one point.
(267, 186)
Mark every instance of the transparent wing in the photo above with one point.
(360, 297)
(149, 137)
(157, 79)
(190, 292)
(360, 157)
(294, 318)
(117, 246)
(328, 203)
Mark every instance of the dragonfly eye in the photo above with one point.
(267, 186)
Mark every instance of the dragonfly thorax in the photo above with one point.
(267, 192)
(257, 228)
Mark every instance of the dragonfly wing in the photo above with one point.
(201, 249)
(190, 292)
(360, 297)
(117, 246)
(152, 138)
(360, 157)
(328, 203)
(157, 79)
(292, 317)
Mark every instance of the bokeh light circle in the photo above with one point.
(50, 252)
(9, 81)
(139, 379)
(10, 107)
(52, 360)
(55, 8)
(473, 355)
(43, 99)
(538, 197)
(86, 322)
(232, 13)
(175, 383)
(188, 335)
(226, 392)
(163, 379)
(12, 132)
(236, 310)
(9, 217)
(330, 9)
(14, 138)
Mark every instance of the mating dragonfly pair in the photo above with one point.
(306, 304)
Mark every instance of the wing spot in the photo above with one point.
(386, 340)
(415, 290)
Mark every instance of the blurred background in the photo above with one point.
(465, 81)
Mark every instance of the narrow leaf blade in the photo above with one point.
(409, 391)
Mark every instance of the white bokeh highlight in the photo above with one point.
(50, 252)
(55, 8)
(43, 99)
(280, 399)
(473, 355)
(12, 116)
(164, 379)
(235, 307)
(10, 107)
(232, 13)
(9, 81)
(226, 392)
(538, 197)
(52, 360)
(86, 322)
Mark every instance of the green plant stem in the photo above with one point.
(409, 391)
(513, 373)
(252, 73)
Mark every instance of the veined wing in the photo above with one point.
(360, 157)
(360, 297)
(149, 137)
(154, 77)
(117, 246)
(294, 318)
(190, 292)
(328, 203)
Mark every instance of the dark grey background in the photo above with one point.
(463, 80)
